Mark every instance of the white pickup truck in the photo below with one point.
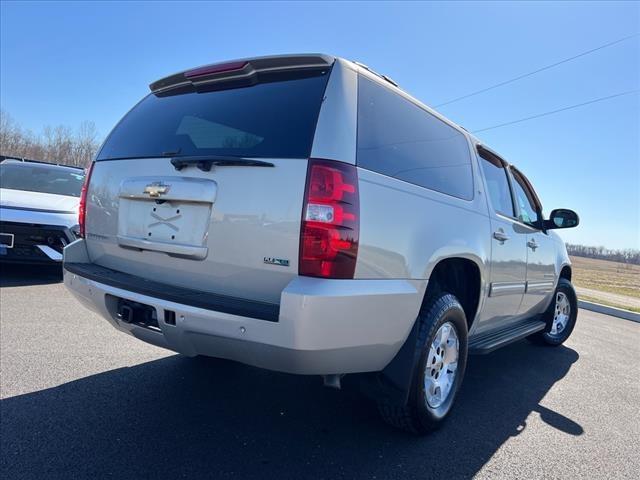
(301, 213)
(38, 210)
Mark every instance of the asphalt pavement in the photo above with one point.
(81, 400)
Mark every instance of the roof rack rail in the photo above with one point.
(28, 160)
(384, 77)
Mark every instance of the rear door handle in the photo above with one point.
(500, 236)
(532, 244)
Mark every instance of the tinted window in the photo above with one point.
(41, 178)
(497, 183)
(399, 139)
(526, 205)
(275, 119)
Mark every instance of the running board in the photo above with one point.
(490, 341)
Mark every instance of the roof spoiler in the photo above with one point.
(246, 71)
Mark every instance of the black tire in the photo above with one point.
(417, 416)
(545, 337)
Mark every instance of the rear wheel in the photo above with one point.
(441, 350)
(560, 317)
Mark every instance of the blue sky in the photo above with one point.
(62, 63)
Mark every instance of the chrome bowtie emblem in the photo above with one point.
(156, 189)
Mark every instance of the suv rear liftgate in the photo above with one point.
(196, 195)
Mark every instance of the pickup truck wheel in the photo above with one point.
(560, 317)
(441, 350)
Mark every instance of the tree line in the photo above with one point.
(628, 255)
(60, 144)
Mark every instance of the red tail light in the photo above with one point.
(82, 208)
(330, 220)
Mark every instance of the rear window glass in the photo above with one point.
(59, 181)
(399, 139)
(270, 120)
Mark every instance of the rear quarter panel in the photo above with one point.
(405, 230)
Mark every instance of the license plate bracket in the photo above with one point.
(167, 226)
(175, 220)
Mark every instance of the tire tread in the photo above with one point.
(406, 417)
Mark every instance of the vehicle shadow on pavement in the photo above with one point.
(206, 418)
(17, 275)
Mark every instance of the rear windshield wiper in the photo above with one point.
(205, 162)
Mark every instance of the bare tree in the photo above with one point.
(56, 144)
(86, 144)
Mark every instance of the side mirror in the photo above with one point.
(562, 218)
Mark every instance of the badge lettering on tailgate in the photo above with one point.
(283, 262)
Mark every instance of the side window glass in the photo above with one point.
(399, 139)
(527, 211)
(498, 184)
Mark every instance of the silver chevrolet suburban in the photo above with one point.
(301, 213)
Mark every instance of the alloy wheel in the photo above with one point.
(442, 363)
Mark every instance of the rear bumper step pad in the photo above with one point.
(181, 295)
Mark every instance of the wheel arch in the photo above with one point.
(565, 272)
(462, 275)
